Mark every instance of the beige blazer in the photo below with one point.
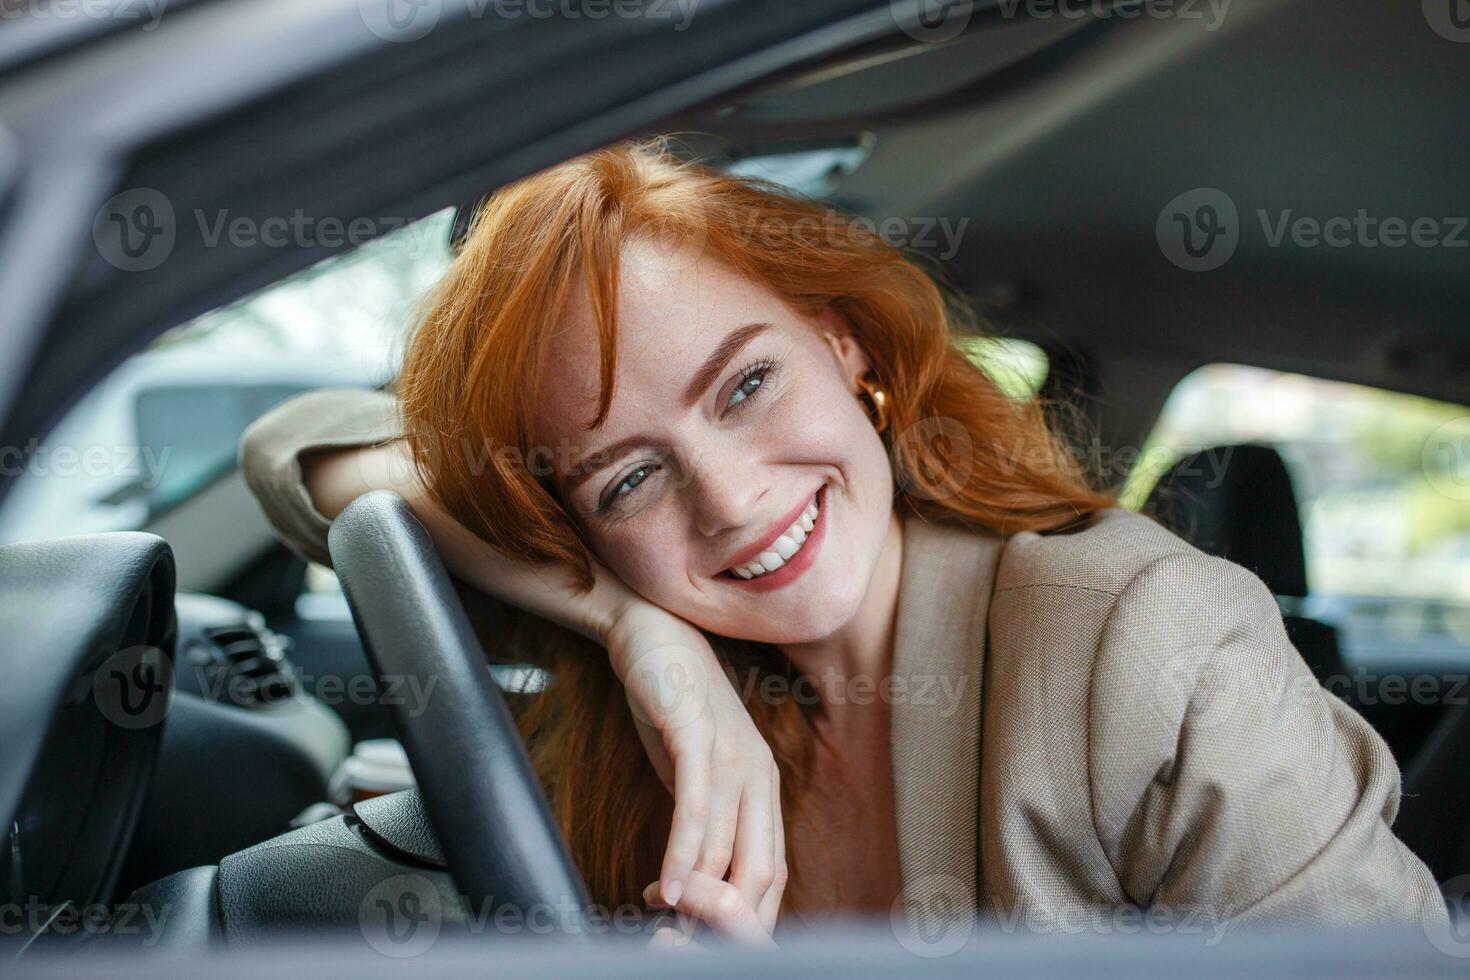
(1082, 723)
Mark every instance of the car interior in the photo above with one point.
(193, 716)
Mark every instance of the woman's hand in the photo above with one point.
(708, 752)
(718, 905)
(700, 738)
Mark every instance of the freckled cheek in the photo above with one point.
(821, 423)
(647, 562)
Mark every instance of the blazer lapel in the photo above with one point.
(939, 648)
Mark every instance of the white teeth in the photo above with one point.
(784, 547)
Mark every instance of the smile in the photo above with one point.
(782, 557)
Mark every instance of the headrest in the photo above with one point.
(1237, 502)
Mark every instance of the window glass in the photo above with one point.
(1382, 482)
(168, 420)
(1018, 367)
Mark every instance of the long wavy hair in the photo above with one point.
(961, 449)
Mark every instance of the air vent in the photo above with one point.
(249, 665)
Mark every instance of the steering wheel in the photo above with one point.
(480, 793)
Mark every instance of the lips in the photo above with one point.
(785, 551)
(752, 552)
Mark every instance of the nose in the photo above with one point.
(724, 490)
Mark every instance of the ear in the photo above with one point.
(852, 360)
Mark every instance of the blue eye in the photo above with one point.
(751, 380)
(627, 485)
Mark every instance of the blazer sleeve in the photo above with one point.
(1224, 776)
(271, 449)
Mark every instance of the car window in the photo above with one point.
(1018, 367)
(168, 420)
(1382, 482)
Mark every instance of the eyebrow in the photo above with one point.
(719, 357)
(708, 372)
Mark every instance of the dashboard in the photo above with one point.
(145, 731)
(90, 630)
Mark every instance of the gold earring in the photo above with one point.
(874, 399)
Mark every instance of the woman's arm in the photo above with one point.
(308, 458)
(1234, 783)
(335, 477)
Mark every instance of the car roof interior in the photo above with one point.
(1058, 140)
(1061, 140)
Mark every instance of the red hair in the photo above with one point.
(962, 450)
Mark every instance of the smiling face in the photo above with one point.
(734, 447)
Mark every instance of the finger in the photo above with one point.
(670, 935)
(718, 845)
(653, 896)
(753, 865)
(719, 905)
(769, 908)
(691, 814)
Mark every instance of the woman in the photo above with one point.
(879, 637)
